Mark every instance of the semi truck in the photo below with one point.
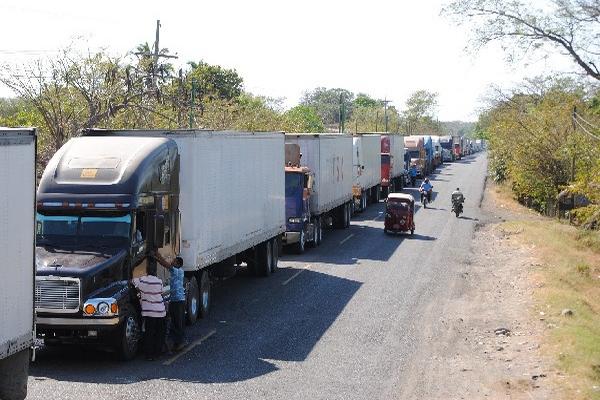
(447, 144)
(318, 186)
(457, 147)
(366, 162)
(429, 161)
(17, 238)
(393, 172)
(416, 149)
(108, 197)
(437, 151)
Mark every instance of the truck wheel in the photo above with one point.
(128, 338)
(205, 295)
(14, 371)
(300, 246)
(192, 304)
(346, 219)
(265, 259)
(377, 194)
(275, 248)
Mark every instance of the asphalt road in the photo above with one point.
(342, 321)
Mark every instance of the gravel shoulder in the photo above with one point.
(483, 339)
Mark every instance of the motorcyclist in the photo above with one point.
(412, 172)
(457, 201)
(426, 188)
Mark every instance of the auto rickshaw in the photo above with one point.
(399, 213)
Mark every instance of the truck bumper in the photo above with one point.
(291, 237)
(49, 322)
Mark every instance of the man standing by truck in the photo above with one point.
(150, 289)
(176, 299)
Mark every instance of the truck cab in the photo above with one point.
(299, 182)
(101, 205)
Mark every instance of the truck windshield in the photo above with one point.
(293, 184)
(82, 226)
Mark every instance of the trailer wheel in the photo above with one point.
(205, 295)
(128, 339)
(275, 249)
(193, 301)
(14, 371)
(265, 259)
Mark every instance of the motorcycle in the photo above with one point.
(457, 207)
(425, 197)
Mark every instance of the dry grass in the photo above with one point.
(568, 278)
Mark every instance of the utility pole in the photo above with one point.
(156, 56)
(385, 117)
(192, 103)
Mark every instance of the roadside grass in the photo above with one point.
(569, 278)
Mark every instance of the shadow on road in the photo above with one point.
(257, 321)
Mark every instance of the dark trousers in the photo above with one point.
(177, 313)
(154, 336)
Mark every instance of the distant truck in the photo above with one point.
(393, 172)
(447, 143)
(318, 186)
(416, 149)
(17, 240)
(107, 197)
(457, 147)
(366, 162)
(437, 151)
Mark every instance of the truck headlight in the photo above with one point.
(102, 307)
(295, 220)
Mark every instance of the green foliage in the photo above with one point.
(364, 100)
(533, 145)
(302, 119)
(214, 81)
(328, 103)
(420, 112)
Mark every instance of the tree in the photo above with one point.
(302, 119)
(569, 26)
(421, 107)
(364, 100)
(328, 103)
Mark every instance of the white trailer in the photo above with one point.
(325, 170)
(397, 153)
(17, 241)
(366, 162)
(231, 193)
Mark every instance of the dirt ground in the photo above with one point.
(487, 344)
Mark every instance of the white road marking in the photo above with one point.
(377, 217)
(295, 275)
(189, 347)
(348, 238)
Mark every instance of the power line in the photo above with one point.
(585, 130)
(584, 120)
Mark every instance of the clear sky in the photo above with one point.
(386, 48)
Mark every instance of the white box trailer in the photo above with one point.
(329, 157)
(397, 153)
(231, 193)
(366, 162)
(17, 241)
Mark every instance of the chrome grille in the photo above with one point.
(57, 294)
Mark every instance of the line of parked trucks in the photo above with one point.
(220, 200)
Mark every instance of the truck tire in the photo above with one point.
(275, 248)
(339, 217)
(264, 259)
(193, 301)
(14, 371)
(300, 246)
(205, 294)
(364, 203)
(128, 336)
(346, 218)
(377, 194)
